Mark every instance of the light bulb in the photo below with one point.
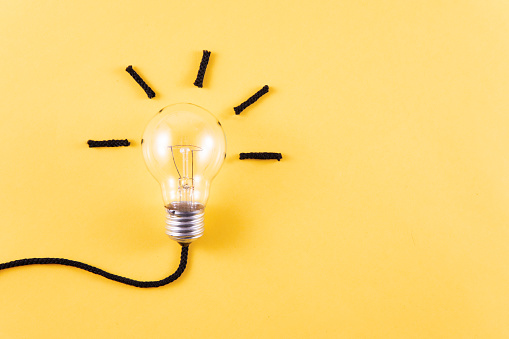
(184, 147)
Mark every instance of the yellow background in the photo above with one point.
(387, 217)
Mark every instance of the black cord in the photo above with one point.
(108, 143)
(203, 67)
(141, 82)
(251, 100)
(98, 271)
(261, 156)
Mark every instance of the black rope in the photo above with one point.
(139, 80)
(108, 143)
(98, 271)
(203, 67)
(251, 100)
(261, 156)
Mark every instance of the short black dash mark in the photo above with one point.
(139, 80)
(203, 67)
(251, 100)
(261, 156)
(108, 143)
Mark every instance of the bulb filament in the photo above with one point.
(186, 177)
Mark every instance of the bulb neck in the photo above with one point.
(184, 221)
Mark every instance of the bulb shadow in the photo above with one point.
(136, 229)
(222, 228)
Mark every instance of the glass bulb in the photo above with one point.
(184, 147)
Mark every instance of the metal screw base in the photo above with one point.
(184, 221)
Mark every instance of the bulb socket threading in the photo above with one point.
(184, 221)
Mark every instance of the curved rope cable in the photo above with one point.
(136, 283)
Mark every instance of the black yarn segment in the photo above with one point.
(203, 67)
(108, 143)
(131, 282)
(141, 82)
(251, 100)
(261, 156)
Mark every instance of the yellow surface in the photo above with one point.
(387, 217)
